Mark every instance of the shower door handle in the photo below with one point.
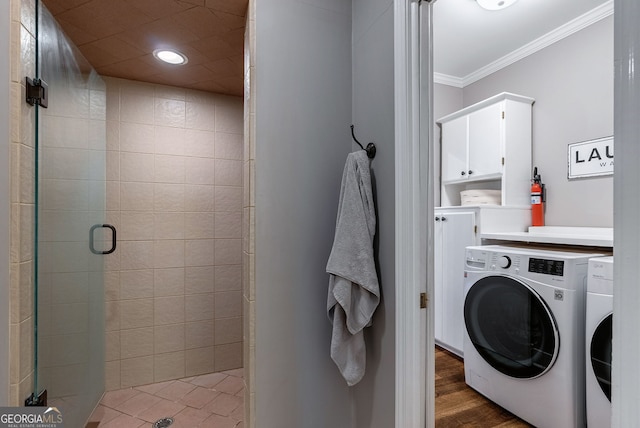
(113, 239)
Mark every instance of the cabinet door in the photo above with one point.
(485, 140)
(458, 233)
(454, 149)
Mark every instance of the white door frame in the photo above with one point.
(414, 213)
(414, 226)
(626, 202)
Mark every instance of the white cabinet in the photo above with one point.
(488, 145)
(455, 229)
(454, 149)
(486, 142)
(471, 146)
(484, 146)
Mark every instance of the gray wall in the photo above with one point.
(5, 200)
(572, 83)
(373, 115)
(303, 113)
(446, 99)
(330, 77)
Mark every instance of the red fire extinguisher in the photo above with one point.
(537, 199)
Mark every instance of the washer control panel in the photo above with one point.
(546, 266)
(512, 262)
(505, 262)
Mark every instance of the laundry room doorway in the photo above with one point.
(520, 56)
(543, 71)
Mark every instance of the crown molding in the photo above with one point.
(566, 30)
(445, 79)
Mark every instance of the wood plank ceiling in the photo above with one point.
(118, 38)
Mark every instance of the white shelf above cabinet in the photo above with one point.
(583, 236)
(488, 145)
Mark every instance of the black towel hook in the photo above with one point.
(371, 148)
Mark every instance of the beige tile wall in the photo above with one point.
(173, 287)
(248, 218)
(22, 203)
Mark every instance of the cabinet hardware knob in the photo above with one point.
(437, 218)
(444, 219)
(470, 172)
(462, 173)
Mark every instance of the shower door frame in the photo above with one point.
(5, 201)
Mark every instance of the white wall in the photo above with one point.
(572, 83)
(373, 116)
(303, 113)
(5, 200)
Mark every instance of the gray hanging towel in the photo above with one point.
(354, 292)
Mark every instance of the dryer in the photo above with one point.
(524, 336)
(598, 341)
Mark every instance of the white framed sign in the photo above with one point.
(591, 158)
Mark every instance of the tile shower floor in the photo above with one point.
(214, 400)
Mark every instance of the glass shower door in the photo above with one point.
(71, 238)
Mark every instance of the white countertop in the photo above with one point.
(587, 236)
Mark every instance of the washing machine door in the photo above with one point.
(511, 327)
(601, 347)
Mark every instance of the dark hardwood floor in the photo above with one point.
(457, 405)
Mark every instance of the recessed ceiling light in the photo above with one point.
(495, 4)
(170, 56)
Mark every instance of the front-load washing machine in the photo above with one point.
(524, 336)
(598, 341)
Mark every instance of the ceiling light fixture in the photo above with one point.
(495, 4)
(170, 56)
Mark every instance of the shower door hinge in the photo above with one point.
(423, 300)
(36, 92)
(40, 400)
